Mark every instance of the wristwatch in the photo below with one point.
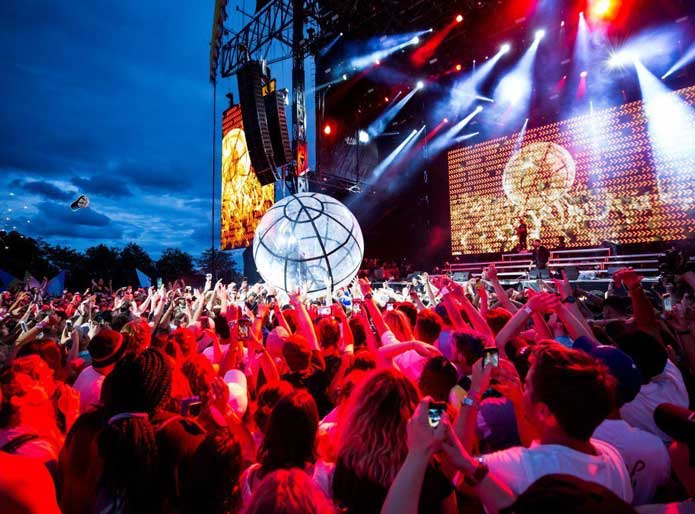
(479, 473)
(469, 401)
(569, 299)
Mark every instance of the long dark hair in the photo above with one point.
(133, 392)
(290, 440)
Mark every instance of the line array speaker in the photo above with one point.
(277, 125)
(249, 79)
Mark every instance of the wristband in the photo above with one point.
(368, 296)
(479, 473)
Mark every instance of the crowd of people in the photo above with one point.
(441, 397)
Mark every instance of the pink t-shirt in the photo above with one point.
(88, 384)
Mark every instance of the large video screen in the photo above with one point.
(244, 200)
(616, 175)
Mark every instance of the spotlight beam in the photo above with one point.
(390, 158)
(686, 59)
(380, 124)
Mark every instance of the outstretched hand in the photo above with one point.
(422, 437)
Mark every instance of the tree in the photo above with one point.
(102, 262)
(175, 264)
(131, 257)
(72, 261)
(224, 267)
(19, 253)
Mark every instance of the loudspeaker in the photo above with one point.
(277, 125)
(255, 122)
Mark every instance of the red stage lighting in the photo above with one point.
(458, 67)
(603, 9)
(327, 129)
(459, 18)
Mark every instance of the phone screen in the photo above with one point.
(491, 357)
(668, 305)
(389, 306)
(325, 311)
(355, 307)
(243, 331)
(434, 413)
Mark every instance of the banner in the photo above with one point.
(144, 279)
(56, 285)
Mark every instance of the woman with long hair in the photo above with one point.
(373, 446)
(289, 441)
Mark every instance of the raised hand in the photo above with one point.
(365, 286)
(544, 302)
(422, 438)
(563, 286)
(629, 277)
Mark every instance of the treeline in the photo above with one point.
(20, 254)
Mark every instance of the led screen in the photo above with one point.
(605, 176)
(244, 201)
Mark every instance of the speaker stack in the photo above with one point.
(277, 125)
(253, 112)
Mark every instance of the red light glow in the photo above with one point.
(459, 18)
(458, 67)
(327, 129)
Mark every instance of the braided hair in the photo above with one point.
(136, 388)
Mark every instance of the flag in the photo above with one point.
(5, 280)
(56, 285)
(144, 279)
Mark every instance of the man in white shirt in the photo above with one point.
(645, 456)
(662, 382)
(105, 349)
(567, 395)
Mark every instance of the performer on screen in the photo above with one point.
(522, 233)
(540, 255)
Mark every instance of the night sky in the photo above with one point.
(110, 99)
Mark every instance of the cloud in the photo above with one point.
(44, 189)
(103, 184)
(51, 212)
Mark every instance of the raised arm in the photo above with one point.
(500, 292)
(304, 324)
(539, 302)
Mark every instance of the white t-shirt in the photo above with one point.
(645, 456)
(88, 384)
(668, 387)
(520, 467)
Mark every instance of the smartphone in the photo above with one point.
(324, 311)
(389, 306)
(434, 413)
(243, 329)
(159, 283)
(491, 357)
(191, 406)
(668, 305)
(23, 324)
(68, 325)
(355, 307)
(208, 276)
(182, 303)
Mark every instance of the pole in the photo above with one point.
(214, 149)
(298, 88)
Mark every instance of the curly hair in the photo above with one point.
(372, 441)
(137, 335)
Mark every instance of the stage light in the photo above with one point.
(327, 129)
(603, 9)
(621, 59)
(377, 62)
(562, 23)
(540, 34)
(583, 74)
(420, 84)
(505, 48)
(431, 30)
(458, 67)
(415, 40)
(386, 99)
(362, 136)
(380, 124)
(345, 76)
(446, 120)
(479, 108)
(459, 18)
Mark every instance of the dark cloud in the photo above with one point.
(51, 212)
(103, 184)
(44, 189)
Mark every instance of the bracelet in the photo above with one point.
(479, 473)
(368, 296)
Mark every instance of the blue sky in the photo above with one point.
(110, 99)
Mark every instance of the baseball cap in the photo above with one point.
(238, 395)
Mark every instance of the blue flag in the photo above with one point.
(56, 285)
(144, 279)
(5, 280)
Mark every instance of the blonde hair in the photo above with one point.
(373, 439)
(399, 324)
